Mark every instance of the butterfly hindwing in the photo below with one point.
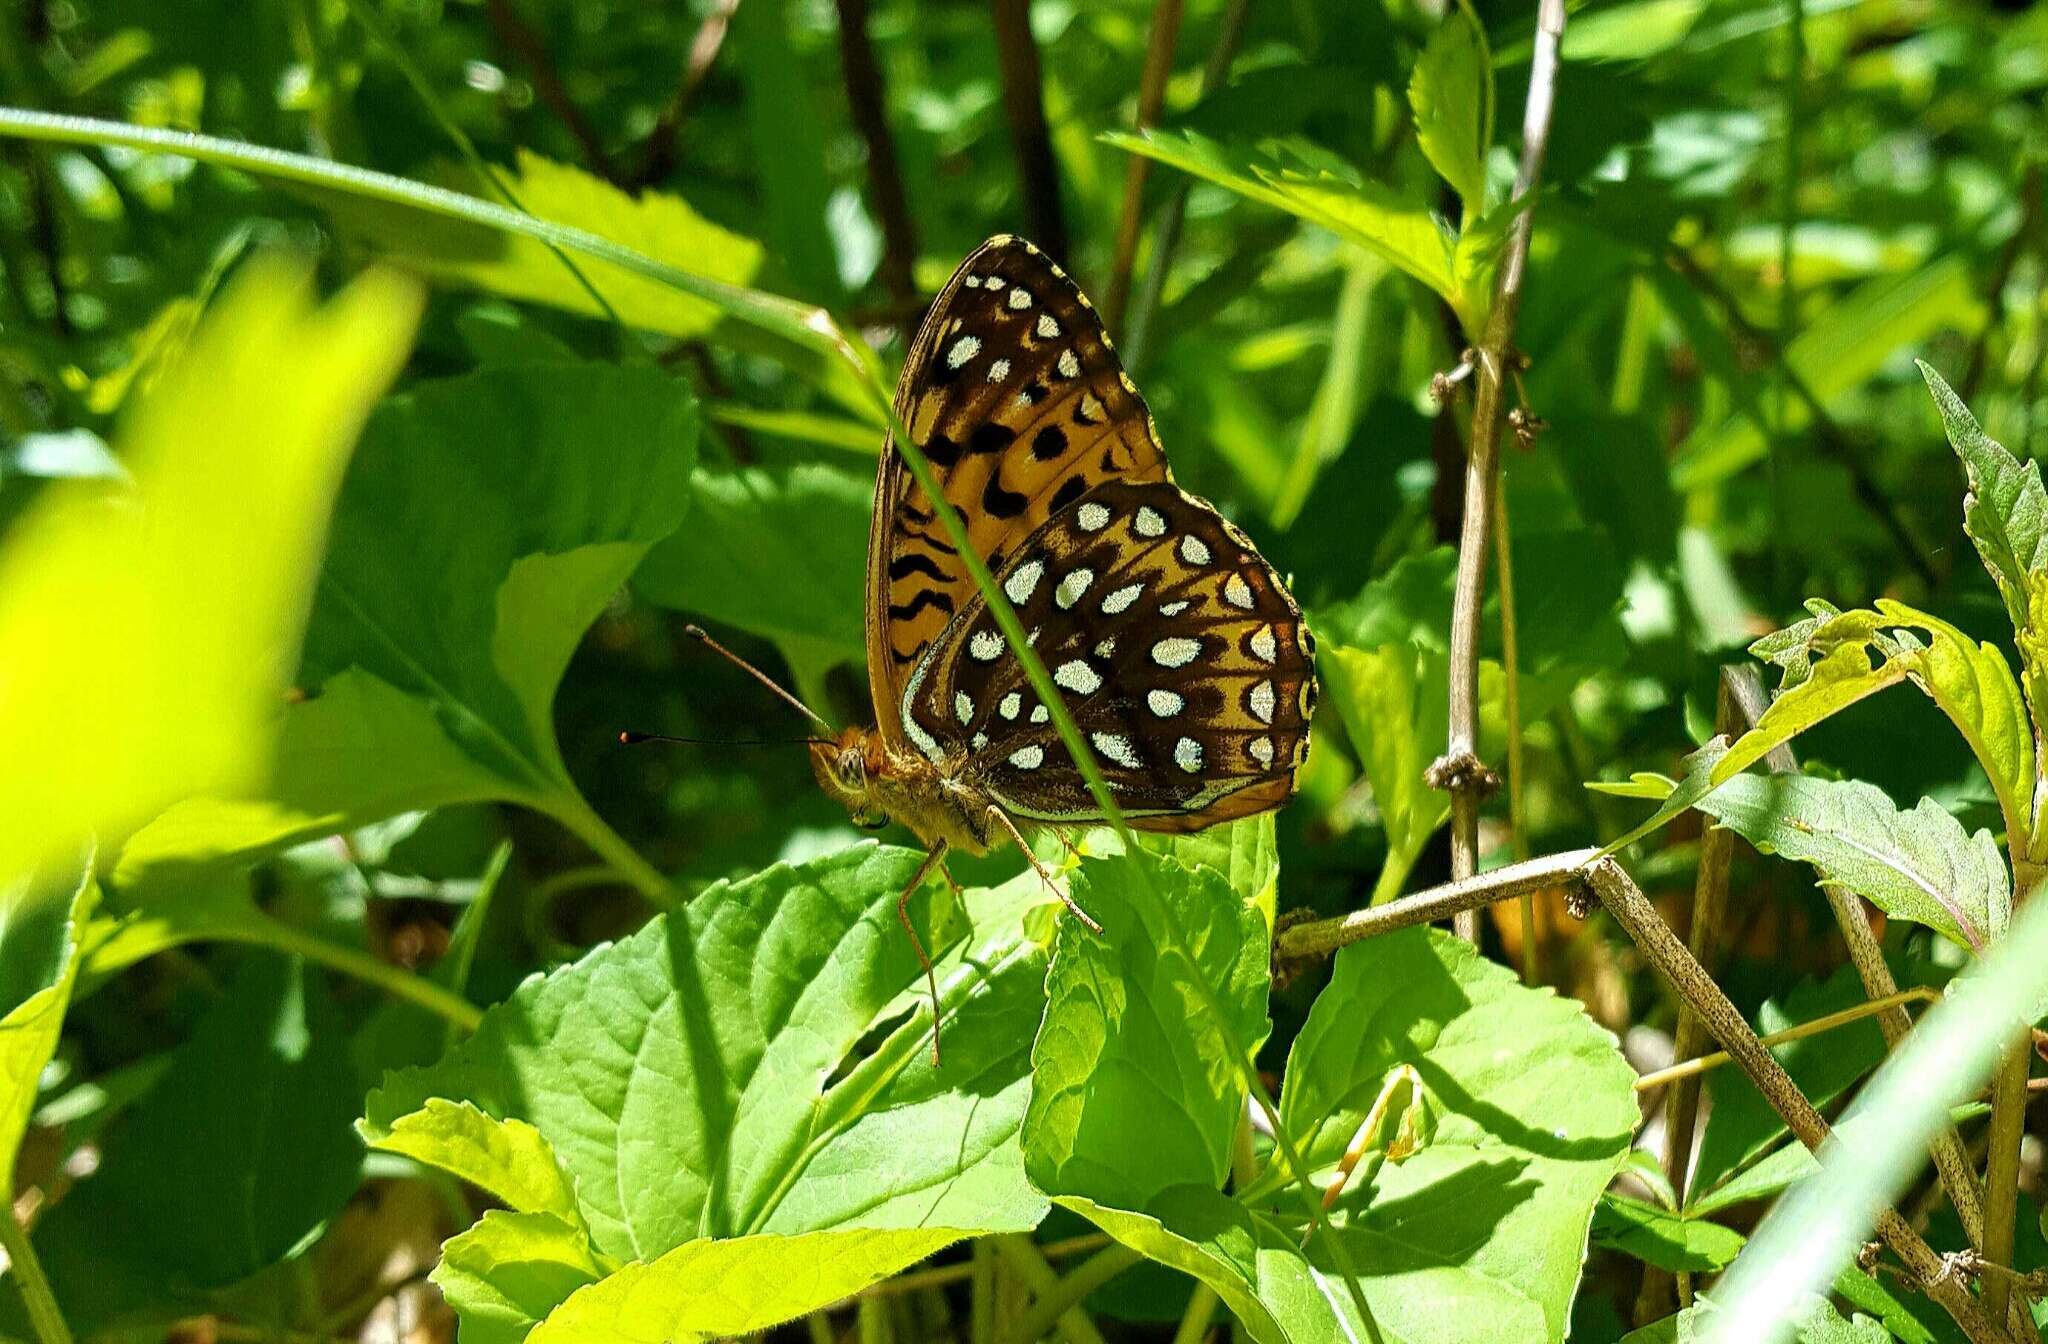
(1017, 398)
(1184, 660)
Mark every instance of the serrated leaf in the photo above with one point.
(1451, 92)
(654, 223)
(1969, 680)
(1366, 213)
(455, 590)
(1918, 865)
(708, 1289)
(505, 1272)
(1148, 1029)
(1700, 769)
(509, 1158)
(1666, 1240)
(240, 1150)
(686, 1077)
(167, 623)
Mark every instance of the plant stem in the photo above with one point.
(43, 1316)
(575, 814)
(1301, 943)
(1067, 1292)
(1151, 97)
(2002, 1168)
(868, 104)
(514, 32)
(1511, 678)
(1023, 81)
(1658, 944)
(1693, 1067)
(1460, 770)
(1022, 1257)
(659, 157)
(1166, 232)
(1194, 1322)
(981, 1305)
(267, 931)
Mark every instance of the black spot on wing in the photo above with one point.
(926, 597)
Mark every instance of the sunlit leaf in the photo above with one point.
(39, 955)
(1451, 92)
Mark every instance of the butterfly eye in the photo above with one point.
(853, 771)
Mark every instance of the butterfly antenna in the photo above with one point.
(697, 632)
(633, 739)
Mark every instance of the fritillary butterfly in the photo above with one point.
(1180, 654)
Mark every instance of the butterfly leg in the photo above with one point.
(1002, 819)
(935, 857)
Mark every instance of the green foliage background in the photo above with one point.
(389, 983)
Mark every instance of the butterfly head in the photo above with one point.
(849, 769)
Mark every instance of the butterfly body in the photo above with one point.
(1175, 647)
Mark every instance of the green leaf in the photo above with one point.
(1148, 1029)
(1813, 1320)
(1451, 92)
(656, 224)
(39, 956)
(1365, 213)
(1918, 865)
(778, 551)
(505, 1272)
(1535, 1110)
(1835, 352)
(1666, 1240)
(1700, 769)
(238, 1152)
(166, 625)
(509, 1158)
(1970, 681)
(456, 588)
(688, 1078)
(1387, 698)
(710, 1289)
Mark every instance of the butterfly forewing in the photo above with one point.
(1184, 660)
(1017, 398)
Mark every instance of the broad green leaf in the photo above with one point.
(39, 956)
(1149, 1028)
(456, 588)
(778, 551)
(1661, 1238)
(1535, 1110)
(1394, 716)
(1365, 213)
(167, 623)
(505, 1272)
(655, 224)
(1970, 681)
(239, 1151)
(1774, 1173)
(1451, 92)
(1837, 351)
(509, 1158)
(1918, 865)
(711, 1289)
(688, 1077)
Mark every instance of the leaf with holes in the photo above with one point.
(1919, 865)
(689, 1079)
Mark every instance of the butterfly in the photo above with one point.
(1179, 652)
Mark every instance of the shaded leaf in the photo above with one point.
(1919, 865)
(655, 224)
(1667, 1240)
(39, 956)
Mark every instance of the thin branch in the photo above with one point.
(1829, 439)
(1694, 1067)
(1297, 944)
(1151, 97)
(658, 159)
(1024, 106)
(1655, 940)
(1511, 682)
(1460, 770)
(2002, 1172)
(868, 105)
(1022, 1257)
(513, 30)
(44, 1317)
(1994, 294)
(1166, 232)
(1065, 1295)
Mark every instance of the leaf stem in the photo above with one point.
(43, 1314)
(2002, 1168)
(1694, 1066)
(1022, 1257)
(573, 812)
(1066, 1293)
(1461, 772)
(1194, 1322)
(263, 930)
